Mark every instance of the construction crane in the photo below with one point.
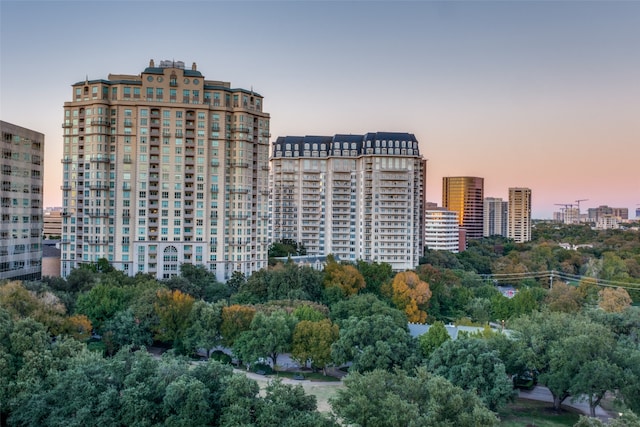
(568, 213)
(578, 202)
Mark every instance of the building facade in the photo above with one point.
(441, 230)
(358, 197)
(495, 216)
(21, 203)
(465, 195)
(601, 211)
(164, 168)
(519, 228)
(52, 223)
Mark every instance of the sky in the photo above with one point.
(538, 94)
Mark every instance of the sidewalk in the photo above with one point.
(544, 395)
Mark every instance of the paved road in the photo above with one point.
(543, 394)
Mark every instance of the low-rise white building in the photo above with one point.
(441, 229)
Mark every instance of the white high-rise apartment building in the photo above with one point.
(495, 217)
(353, 196)
(162, 168)
(442, 232)
(519, 228)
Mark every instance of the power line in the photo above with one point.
(550, 274)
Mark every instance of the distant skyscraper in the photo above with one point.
(465, 195)
(495, 217)
(163, 168)
(21, 203)
(519, 228)
(353, 196)
(52, 221)
(441, 229)
(637, 213)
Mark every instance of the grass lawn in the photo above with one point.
(310, 376)
(523, 412)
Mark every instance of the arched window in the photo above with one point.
(170, 262)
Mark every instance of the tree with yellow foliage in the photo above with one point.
(78, 326)
(346, 278)
(410, 294)
(614, 300)
(235, 320)
(173, 309)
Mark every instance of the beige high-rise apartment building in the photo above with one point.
(358, 197)
(519, 228)
(465, 195)
(21, 202)
(52, 223)
(162, 168)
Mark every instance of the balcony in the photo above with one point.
(237, 190)
(99, 159)
(234, 215)
(239, 164)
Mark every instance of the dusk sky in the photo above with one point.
(543, 94)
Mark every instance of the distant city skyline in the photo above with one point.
(543, 95)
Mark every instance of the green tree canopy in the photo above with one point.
(435, 336)
(374, 342)
(269, 336)
(394, 399)
(312, 342)
(470, 364)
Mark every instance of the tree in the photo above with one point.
(570, 352)
(285, 248)
(173, 309)
(307, 312)
(236, 281)
(374, 342)
(289, 281)
(235, 320)
(204, 327)
(411, 294)
(282, 405)
(254, 290)
(375, 275)
(312, 342)
(470, 364)
(627, 419)
(102, 302)
(78, 326)
(269, 336)
(614, 299)
(124, 329)
(186, 403)
(435, 336)
(365, 305)
(393, 399)
(81, 279)
(346, 278)
(563, 297)
(44, 307)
